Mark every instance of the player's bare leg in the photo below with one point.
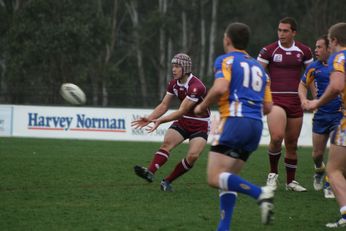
(276, 120)
(293, 128)
(336, 170)
(196, 146)
(319, 142)
(171, 140)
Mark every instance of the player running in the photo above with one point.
(241, 88)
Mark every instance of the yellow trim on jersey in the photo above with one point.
(310, 77)
(268, 93)
(220, 130)
(340, 134)
(339, 63)
(224, 105)
(227, 68)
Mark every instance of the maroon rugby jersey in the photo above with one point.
(285, 65)
(193, 89)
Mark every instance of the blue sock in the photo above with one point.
(343, 212)
(231, 182)
(326, 184)
(227, 202)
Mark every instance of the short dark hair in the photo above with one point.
(338, 31)
(325, 39)
(239, 33)
(291, 21)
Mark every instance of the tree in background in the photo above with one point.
(119, 51)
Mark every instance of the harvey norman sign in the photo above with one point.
(82, 123)
(78, 122)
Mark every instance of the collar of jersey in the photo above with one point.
(187, 81)
(240, 51)
(292, 48)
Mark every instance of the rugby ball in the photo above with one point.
(72, 94)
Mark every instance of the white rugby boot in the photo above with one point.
(272, 180)
(295, 187)
(265, 201)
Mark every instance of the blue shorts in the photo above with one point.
(239, 138)
(325, 123)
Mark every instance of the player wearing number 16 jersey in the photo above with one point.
(241, 87)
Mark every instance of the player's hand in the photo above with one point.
(198, 110)
(140, 123)
(305, 104)
(312, 104)
(156, 124)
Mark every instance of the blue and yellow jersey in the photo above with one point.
(249, 85)
(336, 62)
(317, 73)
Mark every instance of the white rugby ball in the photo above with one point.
(72, 94)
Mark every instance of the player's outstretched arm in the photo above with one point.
(140, 123)
(184, 108)
(161, 109)
(219, 87)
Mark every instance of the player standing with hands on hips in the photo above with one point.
(336, 165)
(190, 91)
(241, 88)
(285, 60)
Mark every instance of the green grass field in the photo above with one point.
(48, 184)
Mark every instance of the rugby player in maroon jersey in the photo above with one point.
(285, 60)
(190, 91)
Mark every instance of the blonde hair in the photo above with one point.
(338, 32)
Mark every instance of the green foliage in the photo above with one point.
(45, 42)
(48, 184)
(51, 42)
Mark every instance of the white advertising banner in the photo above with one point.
(81, 123)
(5, 120)
(106, 124)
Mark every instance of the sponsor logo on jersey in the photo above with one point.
(194, 92)
(299, 57)
(277, 58)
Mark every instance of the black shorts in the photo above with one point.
(190, 129)
(234, 153)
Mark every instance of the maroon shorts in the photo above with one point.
(290, 103)
(190, 128)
